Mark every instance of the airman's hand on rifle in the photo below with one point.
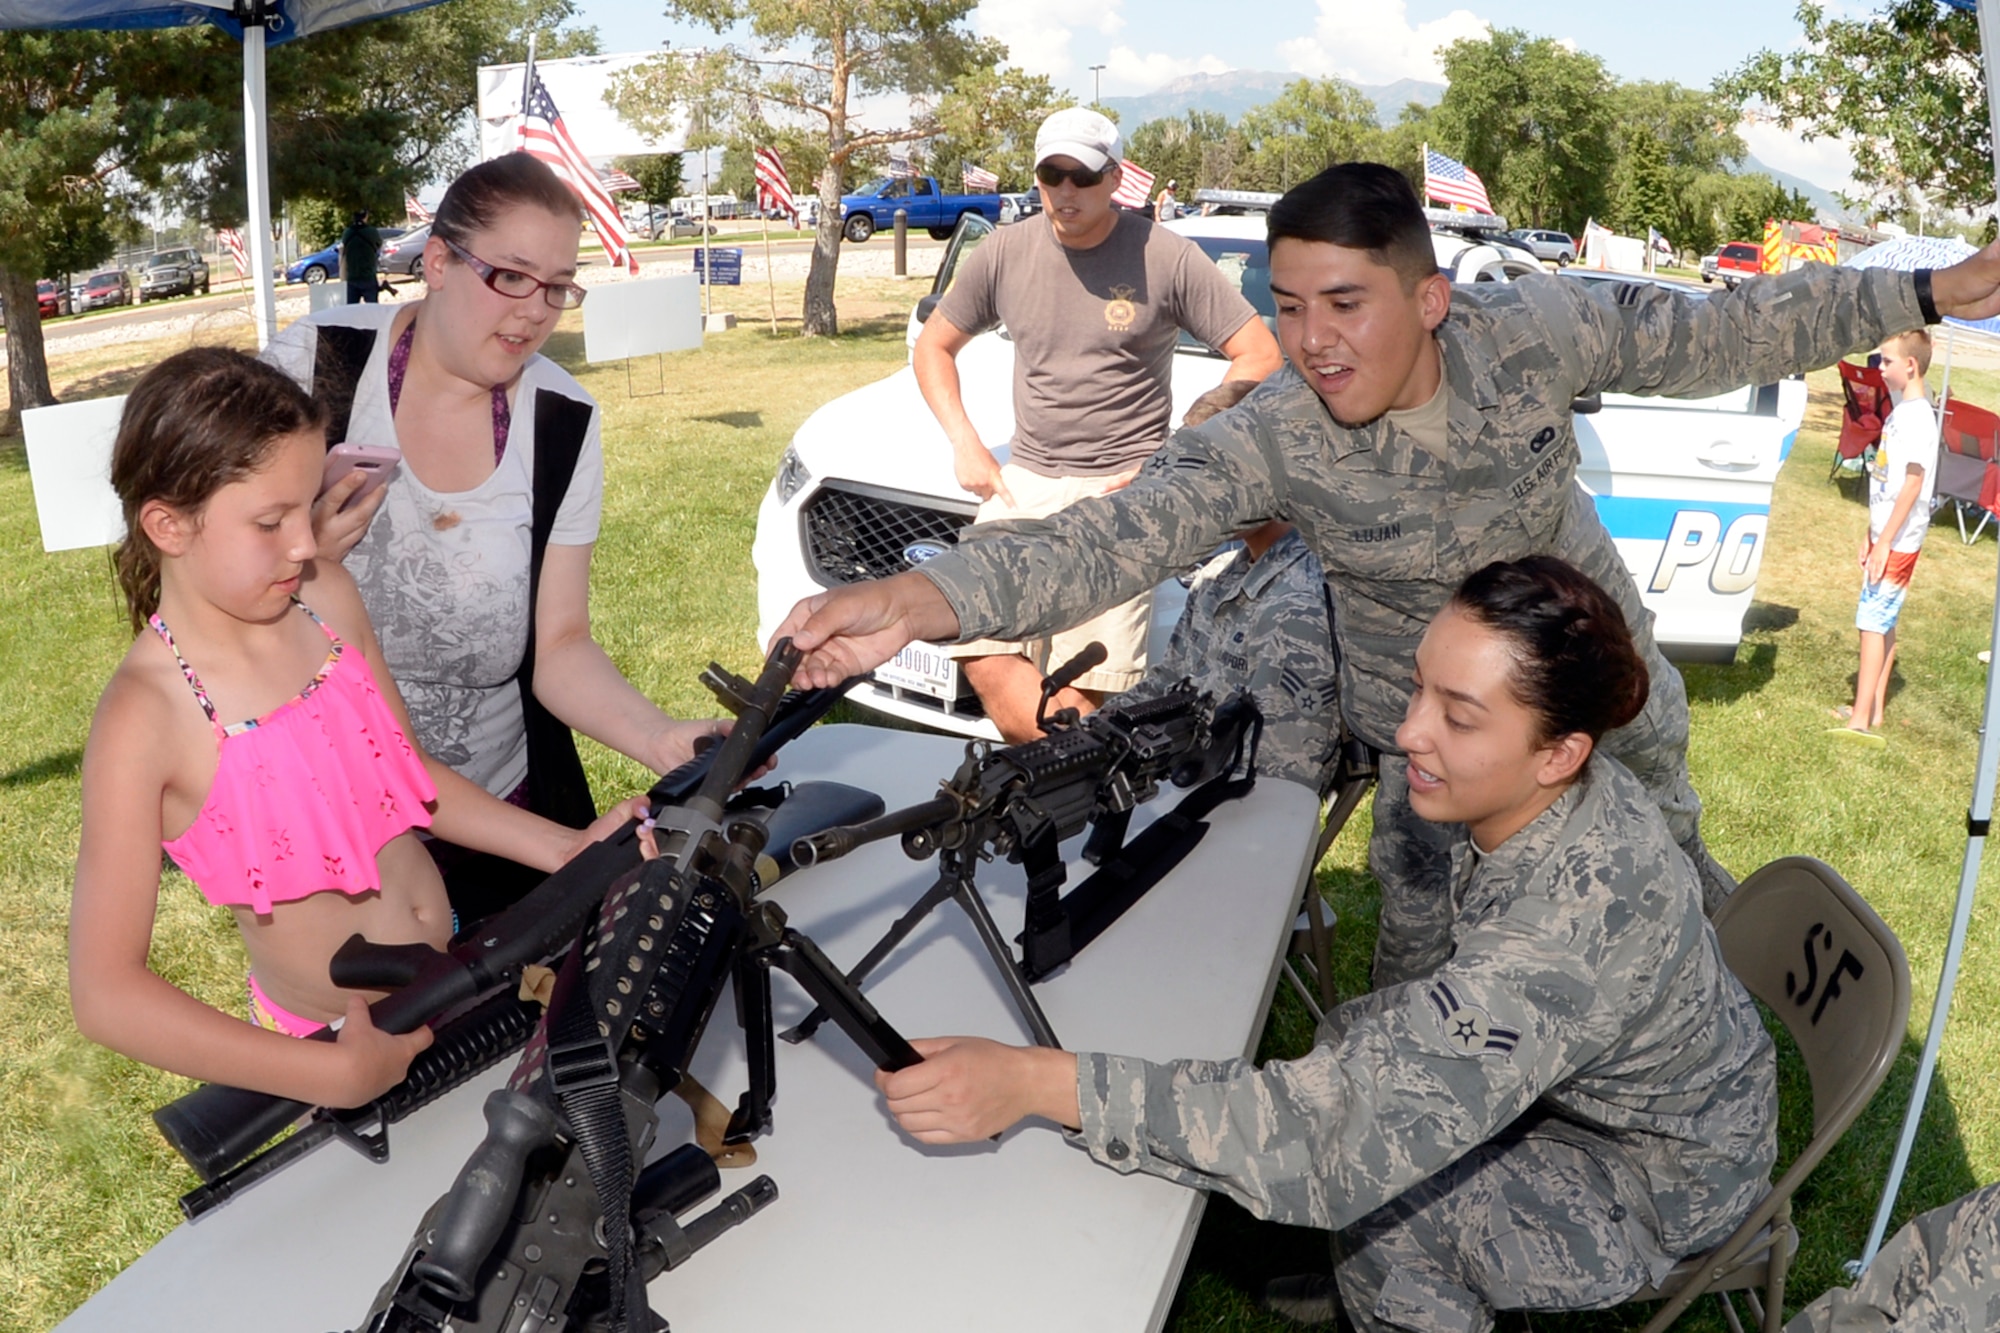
(859, 626)
(968, 1089)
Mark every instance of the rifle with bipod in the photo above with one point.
(1019, 802)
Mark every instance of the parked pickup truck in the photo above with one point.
(1733, 263)
(874, 208)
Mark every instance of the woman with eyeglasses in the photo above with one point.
(474, 559)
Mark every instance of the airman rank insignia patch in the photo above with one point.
(1466, 1027)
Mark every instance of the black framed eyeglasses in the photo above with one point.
(516, 284)
(1051, 175)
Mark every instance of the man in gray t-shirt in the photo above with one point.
(1094, 300)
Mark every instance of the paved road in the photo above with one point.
(231, 293)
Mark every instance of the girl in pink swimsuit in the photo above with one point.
(261, 744)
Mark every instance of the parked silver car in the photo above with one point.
(1555, 246)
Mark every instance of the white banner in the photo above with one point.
(578, 87)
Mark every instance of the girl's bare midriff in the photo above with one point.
(290, 948)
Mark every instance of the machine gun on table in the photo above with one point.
(548, 1227)
(1021, 801)
(467, 994)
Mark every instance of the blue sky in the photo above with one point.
(1145, 43)
(1167, 37)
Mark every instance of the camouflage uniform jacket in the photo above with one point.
(1586, 1000)
(1264, 626)
(1397, 527)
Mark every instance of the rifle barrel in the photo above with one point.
(838, 842)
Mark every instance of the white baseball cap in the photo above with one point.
(1080, 133)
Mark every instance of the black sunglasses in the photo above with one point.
(1052, 175)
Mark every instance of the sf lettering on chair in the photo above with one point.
(1819, 946)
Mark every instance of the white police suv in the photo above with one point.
(866, 488)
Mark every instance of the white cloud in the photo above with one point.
(1053, 37)
(1039, 33)
(1827, 163)
(1369, 41)
(1126, 69)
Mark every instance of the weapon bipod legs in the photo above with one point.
(778, 945)
(954, 882)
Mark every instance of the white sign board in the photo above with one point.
(578, 87)
(69, 464)
(624, 319)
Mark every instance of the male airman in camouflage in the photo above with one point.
(1258, 619)
(1417, 433)
(1939, 1274)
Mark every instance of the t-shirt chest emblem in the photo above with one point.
(1119, 312)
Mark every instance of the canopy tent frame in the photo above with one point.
(257, 24)
(1979, 816)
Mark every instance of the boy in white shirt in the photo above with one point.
(1901, 482)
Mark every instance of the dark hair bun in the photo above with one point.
(1576, 666)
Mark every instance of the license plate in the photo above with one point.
(923, 668)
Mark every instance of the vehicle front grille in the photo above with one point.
(854, 532)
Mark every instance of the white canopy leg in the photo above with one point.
(257, 178)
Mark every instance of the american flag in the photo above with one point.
(543, 136)
(774, 189)
(616, 181)
(1453, 182)
(978, 180)
(232, 241)
(1135, 185)
(415, 211)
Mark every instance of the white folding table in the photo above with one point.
(870, 1230)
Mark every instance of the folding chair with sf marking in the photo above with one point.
(1804, 943)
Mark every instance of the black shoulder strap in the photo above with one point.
(339, 359)
(557, 787)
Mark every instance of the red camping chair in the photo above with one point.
(1968, 473)
(1862, 415)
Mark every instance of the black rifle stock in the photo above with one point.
(216, 1126)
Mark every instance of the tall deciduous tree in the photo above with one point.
(1309, 126)
(87, 122)
(990, 119)
(362, 115)
(811, 60)
(1199, 150)
(1535, 120)
(1902, 85)
(658, 174)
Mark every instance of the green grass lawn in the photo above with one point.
(88, 1185)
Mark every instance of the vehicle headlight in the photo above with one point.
(792, 475)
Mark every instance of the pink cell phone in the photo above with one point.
(378, 461)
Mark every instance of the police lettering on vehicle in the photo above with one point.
(1697, 540)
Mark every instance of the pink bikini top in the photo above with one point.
(305, 796)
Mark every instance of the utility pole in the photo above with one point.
(1097, 85)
